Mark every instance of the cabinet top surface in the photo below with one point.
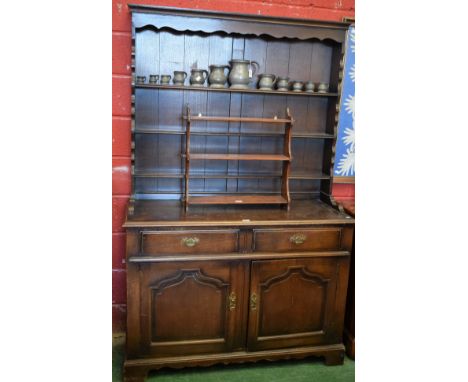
(167, 213)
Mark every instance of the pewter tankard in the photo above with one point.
(282, 83)
(217, 78)
(266, 81)
(165, 78)
(241, 73)
(197, 78)
(179, 77)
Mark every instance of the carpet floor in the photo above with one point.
(310, 370)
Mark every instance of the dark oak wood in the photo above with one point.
(236, 256)
(168, 213)
(192, 241)
(255, 134)
(349, 329)
(284, 240)
(239, 199)
(257, 267)
(229, 90)
(190, 307)
(284, 198)
(240, 157)
(306, 290)
(230, 176)
(211, 22)
(240, 119)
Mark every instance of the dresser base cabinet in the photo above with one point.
(202, 291)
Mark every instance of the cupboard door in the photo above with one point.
(191, 307)
(297, 302)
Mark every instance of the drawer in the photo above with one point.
(178, 242)
(296, 240)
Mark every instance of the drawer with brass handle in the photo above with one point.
(297, 240)
(197, 241)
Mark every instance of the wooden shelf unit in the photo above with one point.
(261, 281)
(283, 199)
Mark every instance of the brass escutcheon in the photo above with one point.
(190, 241)
(253, 301)
(298, 238)
(232, 301)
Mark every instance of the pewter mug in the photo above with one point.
(179, 77)
(153, 79)
(241, 73)
(309, 87)
(323, 87)
(282, 84)
(266, 81)
(297, 86)
(197, 78)
(217, 78)
(165, 78)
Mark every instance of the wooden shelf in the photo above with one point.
(240, 157)
(236, 134)
(195, 175)
(237, 199)
(281, 121)
(229, 90)
(255, 197)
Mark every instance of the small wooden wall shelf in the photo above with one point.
(283, 199)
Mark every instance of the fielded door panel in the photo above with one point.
(294, 302)
(191, 307)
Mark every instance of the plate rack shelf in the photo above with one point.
(283, 198)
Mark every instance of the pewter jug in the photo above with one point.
(297, 86)
(282, 83)
(266, 81)
(309, 87)
(165, 78)
(323, 87)
(217, 78)
(153, 79)
(197, 78)
(241, 73)
(179, 77)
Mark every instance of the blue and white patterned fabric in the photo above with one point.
(344, 157)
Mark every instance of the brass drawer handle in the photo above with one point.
(190, 241)
(232, 301)
(253, 301)
(298, 238)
